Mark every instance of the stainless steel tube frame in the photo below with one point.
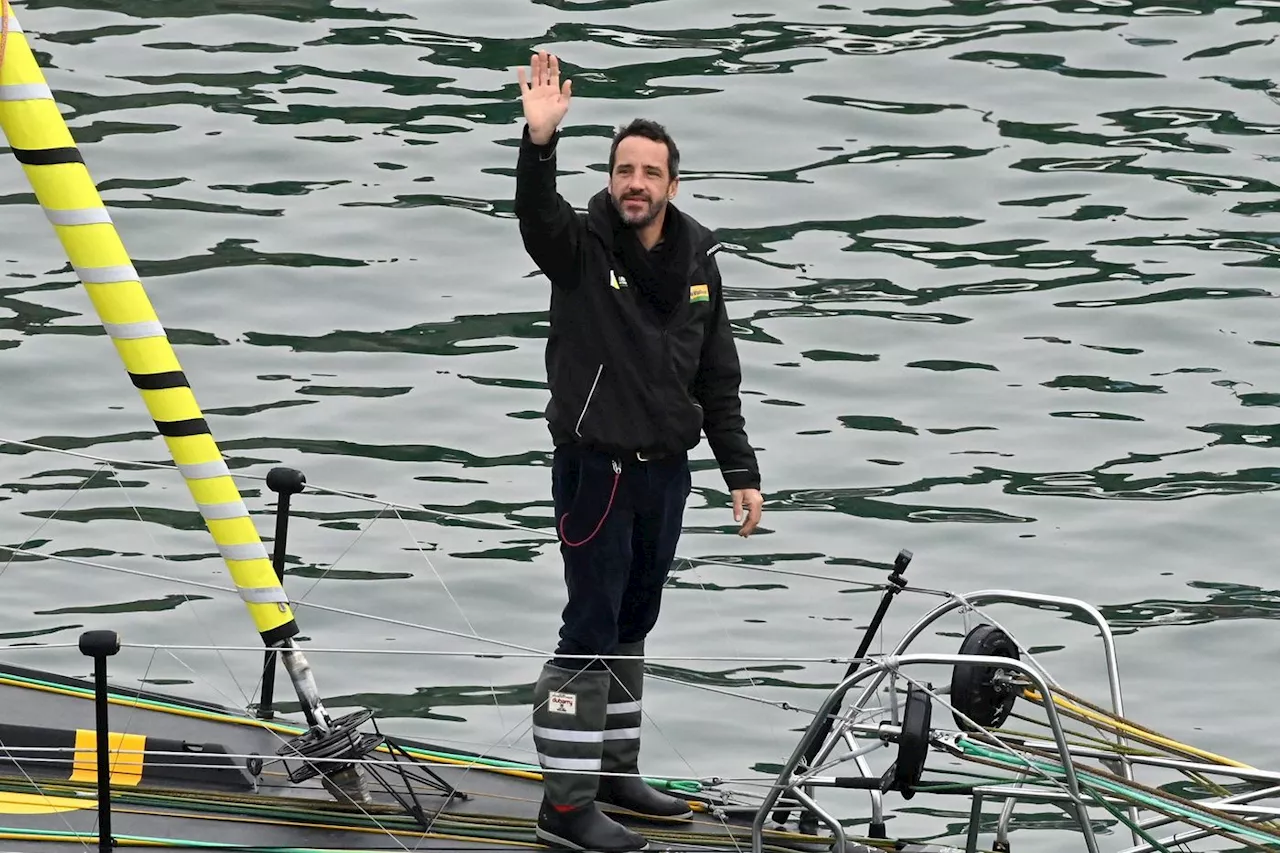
(1012, 596)
(895, 663)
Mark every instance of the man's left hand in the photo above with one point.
(753, 502)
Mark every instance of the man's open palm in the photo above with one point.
(545, 99)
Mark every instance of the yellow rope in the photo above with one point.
(1137, 733)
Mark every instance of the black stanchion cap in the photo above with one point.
(99, 644)
(289, 481)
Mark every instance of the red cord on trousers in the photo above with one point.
(617, 475)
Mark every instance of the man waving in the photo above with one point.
(641, 361)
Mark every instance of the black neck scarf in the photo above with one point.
(659, 273)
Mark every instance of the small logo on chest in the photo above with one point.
(617, 282)
(699, 293)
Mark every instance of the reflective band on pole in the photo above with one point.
(204, 470)
(221, 512)
(243, 553)
(267, 595)
(107, 275)
(132, 331)
(84, 216)
(25, 92)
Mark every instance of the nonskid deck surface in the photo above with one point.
(205, 794)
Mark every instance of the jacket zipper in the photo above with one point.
(577, 428)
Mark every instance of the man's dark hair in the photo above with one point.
(649, 130)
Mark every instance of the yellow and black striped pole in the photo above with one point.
(42, 143)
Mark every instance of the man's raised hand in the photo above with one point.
(545, 99)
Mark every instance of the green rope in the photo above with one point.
(1123, 818)
(1125, 791)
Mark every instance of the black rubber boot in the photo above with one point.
(621, 752)
(568, 726)
(586, 828)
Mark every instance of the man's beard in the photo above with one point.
(638, 220)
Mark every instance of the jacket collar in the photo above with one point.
(600, 223)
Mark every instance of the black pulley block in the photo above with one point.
(913, 743)
(975, 690)
(913, 749)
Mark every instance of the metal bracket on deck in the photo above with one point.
(340, 756)
(788, 782)
(794, 784)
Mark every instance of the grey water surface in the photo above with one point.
(1000, 277)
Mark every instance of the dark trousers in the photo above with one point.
(619, 521)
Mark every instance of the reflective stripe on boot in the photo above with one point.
(621, 751)
(623, 716)
(568, 723)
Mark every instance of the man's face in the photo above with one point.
(640, 184)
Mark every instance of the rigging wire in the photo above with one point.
(482, 523)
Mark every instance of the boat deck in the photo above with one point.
(185, 776)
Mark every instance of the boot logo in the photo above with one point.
(562, 703)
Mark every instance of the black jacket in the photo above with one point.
(623, 380)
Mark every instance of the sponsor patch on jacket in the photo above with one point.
(699, 293)
(616, 281)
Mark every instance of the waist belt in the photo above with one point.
(629, 455)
